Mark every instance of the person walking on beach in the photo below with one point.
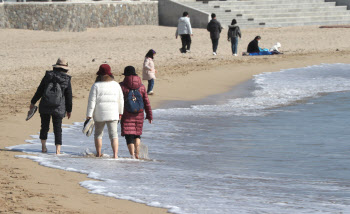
(214, 27)
(253, 46)
(105, 106)
(232, 35)
(132, 120)
(184, 29)
(149, 72)
(55, 92)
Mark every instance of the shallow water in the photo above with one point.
(282, 146)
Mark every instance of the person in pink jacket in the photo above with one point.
(132, 123)
(149, 72)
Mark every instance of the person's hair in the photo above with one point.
(99, 78)
(213, 15)
(257, 37)
(233, 22)
(150, 53)
(185, 14)
(60, 69)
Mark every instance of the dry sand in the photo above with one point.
(27, 187)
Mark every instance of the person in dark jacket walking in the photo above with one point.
(58, 76)
(253, 46)
(214, 27)
(232, 35)
(132, 123)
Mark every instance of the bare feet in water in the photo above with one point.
(44, 149)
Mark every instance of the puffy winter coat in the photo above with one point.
(132, 123)
(148, 71)
(233, 32)
(183, 26)
(64, 81)
(253, 47)
(106, 101)
(214, 27)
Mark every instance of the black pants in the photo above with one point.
(57, 127)
(130, 139)
(215, 44)
(186, 42)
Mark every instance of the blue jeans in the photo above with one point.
(150, 85)
(234, 44)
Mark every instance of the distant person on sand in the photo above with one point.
(184, 29)
(232, 35)
(253, 46)
(132, 120)
(149, 72)
(214, 27)
(105, 106)
(55, 91)
(276, 48)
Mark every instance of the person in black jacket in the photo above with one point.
(59, 80)
(232, 35)
(214, 27)
(253, 46)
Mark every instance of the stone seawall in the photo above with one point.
(76, 16)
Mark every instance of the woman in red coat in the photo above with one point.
(132, 123)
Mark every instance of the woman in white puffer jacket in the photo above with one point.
(105, 106)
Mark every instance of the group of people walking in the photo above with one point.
(109, 103)
(184, 29)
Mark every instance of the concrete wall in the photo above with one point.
(170, 11)
(341, 2)
(77, 16)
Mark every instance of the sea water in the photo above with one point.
(282, 146)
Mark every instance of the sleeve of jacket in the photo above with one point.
(39, 92)
(92, 101)
(69, 97)
(189, 26)
(208, 27)
(220, 28)
(239, 33)
(121, 100)
(147, 104)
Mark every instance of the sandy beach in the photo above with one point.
(25, 55)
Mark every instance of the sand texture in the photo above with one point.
(27, 187)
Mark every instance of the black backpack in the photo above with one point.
(53, 94)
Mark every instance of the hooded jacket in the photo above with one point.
(214, 27)
(106, 101)
(183, 26)
(132, 124)
(148, 71)
(253, 47)
(64, 81)
(233, 32)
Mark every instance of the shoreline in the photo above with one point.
(31, 188)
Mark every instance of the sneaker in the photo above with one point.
(181, 50)
(214, 53)
(234, 54)
(188, 51)
(150, 93)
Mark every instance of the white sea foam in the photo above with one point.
(278, 89)
(255, 154)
